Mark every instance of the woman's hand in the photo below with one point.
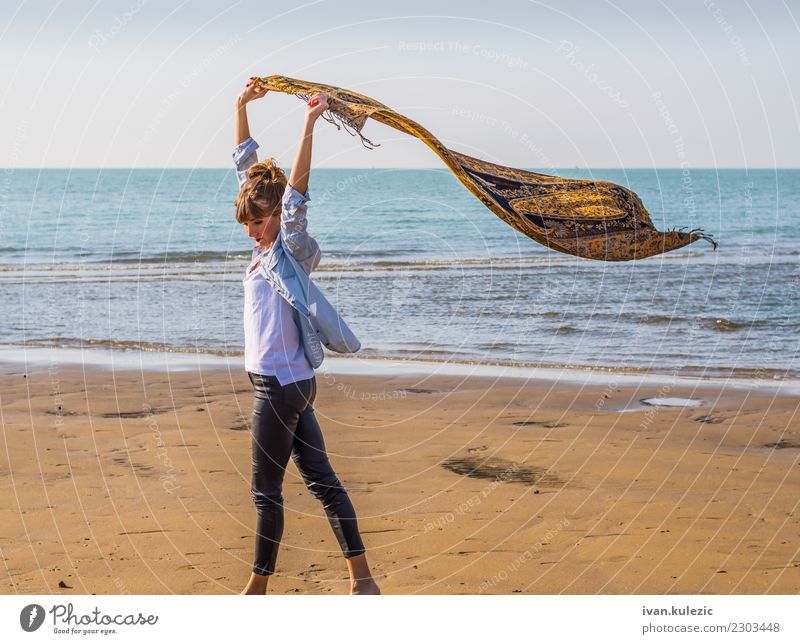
(317, 104)
(251, 93)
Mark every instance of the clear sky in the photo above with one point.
(147, 83)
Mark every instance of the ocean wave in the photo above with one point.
(655, 319)
(709, 323)
(123, 345)
(675, 255)
(428, 264)
(387, 252)
(728, 326)
(722, 325)
(174, 257)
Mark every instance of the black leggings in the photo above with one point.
(284, 424)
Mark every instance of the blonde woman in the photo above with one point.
(286, 322)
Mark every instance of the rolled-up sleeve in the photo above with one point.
(244, 155)
(294, 228)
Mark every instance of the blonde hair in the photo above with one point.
(261, 196)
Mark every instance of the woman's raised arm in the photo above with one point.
(250, 93)
(301, 167)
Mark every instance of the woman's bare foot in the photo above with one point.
(364, 587)
(361, 581)
(257, 585)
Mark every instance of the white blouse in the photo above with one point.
(271, 338)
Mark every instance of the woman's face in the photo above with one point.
(263, 231)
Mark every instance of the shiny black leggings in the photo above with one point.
(284, 424)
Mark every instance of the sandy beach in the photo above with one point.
(118, 482)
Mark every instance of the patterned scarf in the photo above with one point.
(590, 219)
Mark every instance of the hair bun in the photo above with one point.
(265, 171)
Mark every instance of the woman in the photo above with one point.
(283, 332)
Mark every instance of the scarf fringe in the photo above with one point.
(332, 117)
(699, 233)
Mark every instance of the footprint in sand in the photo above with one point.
(539, 423)
(241, 425)
(498, 469)
(710, 419)
(124, 461)
(784, 443)
(479, 448)
(146, 411)
(62, 412)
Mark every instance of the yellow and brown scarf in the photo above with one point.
(590, 219)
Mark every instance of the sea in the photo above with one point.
(152, 260)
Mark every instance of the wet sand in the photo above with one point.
(139, 482)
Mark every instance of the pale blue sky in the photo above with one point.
(137, 83)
